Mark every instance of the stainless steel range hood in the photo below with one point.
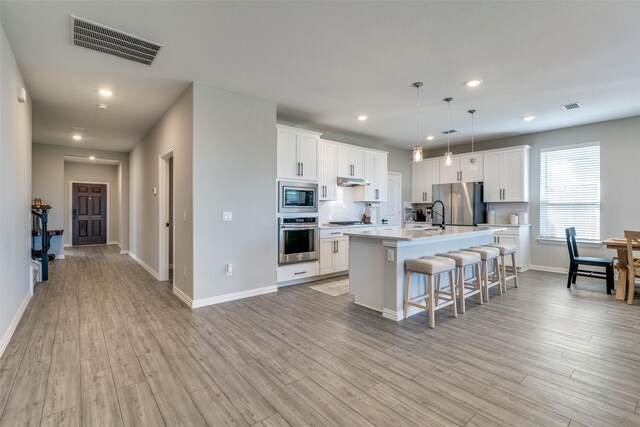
(352, 182)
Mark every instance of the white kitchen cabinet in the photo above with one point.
(328, 170)
(350, 161)
(506, 175)
(424, 175)
(387, 227)
(297, 156)
(461, 169)
(334, 253)
(520, 237)
(303, 270)
(375, 171)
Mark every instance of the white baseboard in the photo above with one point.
(113, 242)
(61, 256)
(233, 296)
(183, 297)
(14, 324)
(549, 269)
(396, 316)
(67, 245)
(145, 266)
(124, 252)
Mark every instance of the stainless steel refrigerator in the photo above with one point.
(462, 204)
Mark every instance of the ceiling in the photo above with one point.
(324, 63)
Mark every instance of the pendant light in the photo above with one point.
(448, 160)
(417, 150)
(473, 162)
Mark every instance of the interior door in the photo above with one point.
(89, 214)
(392, 208)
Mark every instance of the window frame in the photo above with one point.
(562, 239)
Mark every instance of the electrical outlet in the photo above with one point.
(184, 271)
(390, 255)
(184, 216)
(228, 270)
(227, 216)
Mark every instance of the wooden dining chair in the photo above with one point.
(633, 265)
(575, 260)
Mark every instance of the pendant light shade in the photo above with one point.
(448, 160)
(417, 150)
(473, 161)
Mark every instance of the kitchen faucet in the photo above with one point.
(433, 211)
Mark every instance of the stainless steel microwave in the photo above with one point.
(297, 197)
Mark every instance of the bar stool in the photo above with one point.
(507, 249)
(431, 266)
(466, 288)
(489, 254)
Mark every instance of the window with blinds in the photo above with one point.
(570, 191)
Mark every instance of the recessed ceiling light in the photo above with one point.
(105, 92)
(92, 157)
(430, 138)
(362, 118)
(103, 106)
(473, 83)
(77, 137)
(528, 118)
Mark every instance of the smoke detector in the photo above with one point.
(107, 40)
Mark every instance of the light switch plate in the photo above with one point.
(227, 216)
(390, 255)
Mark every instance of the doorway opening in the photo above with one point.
(166, 205)
(89, 213)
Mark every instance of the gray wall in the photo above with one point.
(15, 193)
(87, 172)
(234, 169)
(620, 204)
(50, 185)
(174, 129)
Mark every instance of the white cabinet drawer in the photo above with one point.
(297, 271)
(332, 232)
(388, 228)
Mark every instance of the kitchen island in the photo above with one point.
(376, 261)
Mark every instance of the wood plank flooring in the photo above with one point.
(103, 343)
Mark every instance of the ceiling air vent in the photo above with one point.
(107, 40)
(571, 106)
(450, 131)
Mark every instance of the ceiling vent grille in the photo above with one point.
(450, 131)
(113, 42)
(571, 106)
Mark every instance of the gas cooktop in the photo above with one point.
(348, 223)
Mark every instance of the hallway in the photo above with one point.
(103, 343)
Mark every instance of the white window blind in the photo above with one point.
(570, 191)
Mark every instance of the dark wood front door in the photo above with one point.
(89, 213)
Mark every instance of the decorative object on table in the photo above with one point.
(417, 150)
(633, 265)
(523, 218)
(513, 219)
(448, 160)
(473, 161)
(334, 289)
(575, 260)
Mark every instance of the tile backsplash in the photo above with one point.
(344, 208)
(503, 210)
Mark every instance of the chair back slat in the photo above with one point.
(571, 243)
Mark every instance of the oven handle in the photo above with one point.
(294, 227)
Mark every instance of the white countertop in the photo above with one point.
(505, 225)
(416, 235)
(325, 225)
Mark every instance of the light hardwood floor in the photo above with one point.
(103, 343)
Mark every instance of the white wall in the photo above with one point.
(15, 194)
(234, 169)
(620, 204)
(174, 129)
(87, 172)
(49, 184)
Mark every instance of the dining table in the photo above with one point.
(619, 244)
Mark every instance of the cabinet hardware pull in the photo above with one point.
(301, 169)
(460, 175)
(299, 272)
(298, 169)
(337, 232)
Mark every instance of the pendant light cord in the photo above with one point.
(417, 115)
